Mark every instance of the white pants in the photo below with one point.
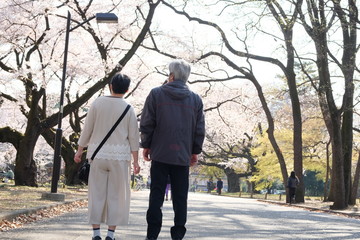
(109, 192)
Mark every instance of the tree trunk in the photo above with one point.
(287, 29)
(340, 201)
(347, 122)
(297, 137)
(67, 154)
(25, 175)
(297, 118)
(332, 118)
(25, 166)
(349, 21)
(326, 198)
(347, 143)
(25, 169)
(233, 180)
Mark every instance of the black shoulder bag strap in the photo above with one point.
(110, 132)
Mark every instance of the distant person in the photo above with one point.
(148, 182)
(10, 174)
(109, 179)
(219, 186)
(195, 185)
(168, 187)
(210, 185)
(292, 184)
(172, 130)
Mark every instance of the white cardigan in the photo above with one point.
(103, 113)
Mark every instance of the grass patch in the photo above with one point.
(22, 197)
(275, 197)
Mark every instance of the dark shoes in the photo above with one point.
(155, 239)
(99, 238)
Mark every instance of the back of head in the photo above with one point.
(181, 70)
(292, 174)
(120, 83)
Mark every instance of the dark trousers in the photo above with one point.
(292, 192)
(179, 177)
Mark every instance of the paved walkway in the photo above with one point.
(210, 217)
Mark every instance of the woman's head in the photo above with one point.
(292, 174)
(180, 70)
(120, 83)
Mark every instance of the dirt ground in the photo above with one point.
(15, 199)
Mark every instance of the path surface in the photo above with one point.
(210, 217)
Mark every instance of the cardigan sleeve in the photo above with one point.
(88, 127)
(133, 131)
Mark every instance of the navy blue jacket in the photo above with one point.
(172, 124)
(292, 182)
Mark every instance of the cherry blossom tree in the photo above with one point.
(32, 37)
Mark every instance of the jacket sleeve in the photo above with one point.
(148, 121)
(199, 129)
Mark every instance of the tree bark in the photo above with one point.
(25, 166)
(286, 24)
(67, 153)
(326, 185)
(331, 114)
(233, 180)
(349, 20)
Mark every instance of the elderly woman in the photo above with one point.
(109, 179)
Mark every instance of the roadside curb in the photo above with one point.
(345, 212)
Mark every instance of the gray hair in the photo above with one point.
(181, 69)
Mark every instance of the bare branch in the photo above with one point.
(8, 97)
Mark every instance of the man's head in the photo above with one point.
(120, 83)
(179, 70)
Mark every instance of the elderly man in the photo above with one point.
(172, 134)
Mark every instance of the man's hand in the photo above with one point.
(146, 154)
(193, 160)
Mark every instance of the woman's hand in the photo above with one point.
(136, 167)
(135, 155)
(78, 154)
